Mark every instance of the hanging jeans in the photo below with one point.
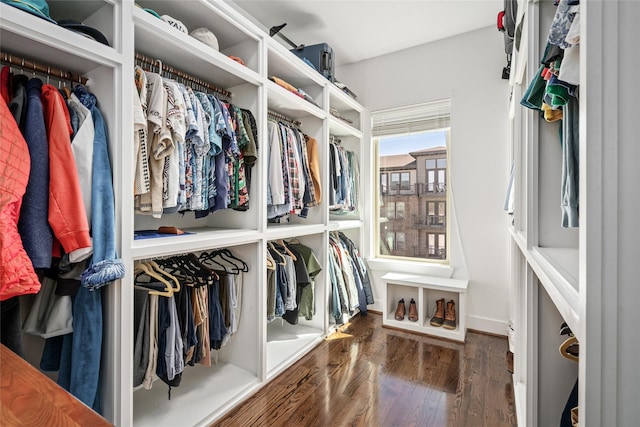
(77, 355)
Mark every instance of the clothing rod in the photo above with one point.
(279, 116)
(21, 62)
(181, 74)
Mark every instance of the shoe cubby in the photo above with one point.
(395, 294)
(425, 290)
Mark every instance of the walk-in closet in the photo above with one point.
(193, 212)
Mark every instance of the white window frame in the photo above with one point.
(443, 124)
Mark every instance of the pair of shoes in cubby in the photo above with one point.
(445, 317)
(401, 310)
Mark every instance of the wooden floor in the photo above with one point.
(374, 376)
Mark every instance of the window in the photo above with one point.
(412, 145)
(395, 183)
(436, 246)
(431, 248)
(391, 209)
(436, 175)
(383, 182)
(436, 214)
(405, 182)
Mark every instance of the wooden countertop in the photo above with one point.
(29, 398)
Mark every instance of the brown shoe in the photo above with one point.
(413, 311)
(401, 310)
(450, 316)
(438, 317)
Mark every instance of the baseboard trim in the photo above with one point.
(489, 326)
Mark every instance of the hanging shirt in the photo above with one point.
(176, 124)
(142, 178)
(161, 143)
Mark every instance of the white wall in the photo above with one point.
(466, 68)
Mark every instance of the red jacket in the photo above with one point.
(67, 215)
(17, 276)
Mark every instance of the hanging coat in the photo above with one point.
(17, 276)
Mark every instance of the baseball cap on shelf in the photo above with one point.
(151, 11)
(39, 8)
(175, 23)
(85, 30)
(206, 36)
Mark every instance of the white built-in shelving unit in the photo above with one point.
(425, 291)
(582, 276)
(260, 349)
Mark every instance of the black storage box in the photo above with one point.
(320, 56)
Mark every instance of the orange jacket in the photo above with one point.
(67, 215)
(17, 276)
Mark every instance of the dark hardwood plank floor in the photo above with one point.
(373, 376)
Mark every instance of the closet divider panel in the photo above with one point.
(546, 257)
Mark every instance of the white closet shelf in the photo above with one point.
(202, 239)
(158, 40)
(344, 224)
(289, 104)
(422, 328)
(339, 127)
(341, 101)
(287, 231)
(52, 44)
(557, 270)
(287, 343)
(223, 385)
(287, 66)
(80, 11)
(203, 14)
(432, 282)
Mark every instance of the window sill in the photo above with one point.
(413, 267)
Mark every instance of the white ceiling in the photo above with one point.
(363, 29)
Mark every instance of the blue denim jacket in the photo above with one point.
(104, 266)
